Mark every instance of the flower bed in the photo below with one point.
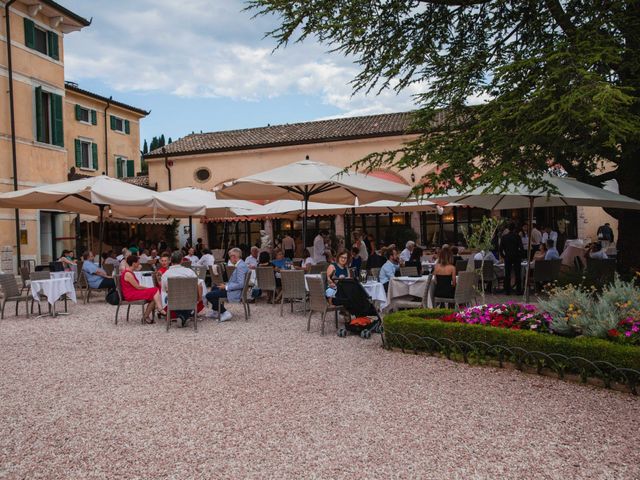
(515, 316)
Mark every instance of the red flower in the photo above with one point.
(613, 332)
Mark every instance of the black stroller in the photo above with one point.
(357, 305)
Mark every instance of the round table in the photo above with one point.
(54, 289)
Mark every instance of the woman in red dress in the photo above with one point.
(133, 291)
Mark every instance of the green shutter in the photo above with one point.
(40, 120)
(52, 39)
(94, 117)
(78, 112)
(127, 127)
(113, 122)
(57, 132)
(78, 153)
(118, 167)
(29, 33)
(94, 155)
(130, 169)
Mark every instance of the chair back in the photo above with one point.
(266, 278)
(82, 279)
(182, 293)
(461, 265)
(465, 288)
(24, 275)
(409, 271)
(230, 270)
(546, 271)
(318, 268)
(108, 268)
(116, 279)
(246, 288)
(146, 267)
(317, 299)
(602, 271)
(375, 273)
(578, 263)
(9, 285)
(43, 275)
(216, 275)
(218, 254)
(488, 273)
(292, 284)
(201, 271)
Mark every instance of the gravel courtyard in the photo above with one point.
(81, 398)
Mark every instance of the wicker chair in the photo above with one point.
(216, 278)
(266, 279)
(404, 303)
(108, 268)
(124, 302)
(318, 268)
(464, 294)
(293, 288)
(84, 284)
(461, 265)
(546, 271)
(318, 302)
(244, 300)
(375, 273)
(488, 273)
(182, 294)
(409, 271)
(201, 271)
(229, 269)
(24, 276)
(12, 293)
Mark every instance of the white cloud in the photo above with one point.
(199, 48)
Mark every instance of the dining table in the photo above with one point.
(54, 289)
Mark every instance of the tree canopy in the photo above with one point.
(554, 82)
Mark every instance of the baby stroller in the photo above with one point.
(358, 306)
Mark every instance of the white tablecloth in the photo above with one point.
(570, 252)
(403, 286)
(53, 288)
(376, 292)
(70, 275)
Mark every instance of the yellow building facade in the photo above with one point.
(52, 133)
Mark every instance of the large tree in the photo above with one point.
(558, 80)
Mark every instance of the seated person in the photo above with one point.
(390, 268)
(232, 290)
(111, 259)
(454, 254)
(307, 261)
(96, 277)
(445, 272)
(596, 251)
(132, 291)
(176, 270)
(336, 271)
(552, 252)
(280, 262)
(264, 260)
(144, 257)
(252, 258)
(356, 260)
(206, 260)
(376, 259)
(488, 256)
(163, 266)
(541, 253)
(67, 260)
(191, 256)
(415, 260)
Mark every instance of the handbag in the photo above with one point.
(112, 297)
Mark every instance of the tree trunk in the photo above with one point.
(628, 242)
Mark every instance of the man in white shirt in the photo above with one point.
(144, 257)
(319, 247)
(191, 256)
(207, 259)
(549, 234)
(487, 256)
(176, 270)
(289, 246)
(596, 251)
(252, 259)
(405, 255)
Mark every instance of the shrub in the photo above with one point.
(426, 323)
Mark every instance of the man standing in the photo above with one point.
(513, 253)
(232, 290)
(96, 277)
(405, 256)
(289, 246)
(536, 239)
(390, 268)
(549, 234)
(605, 235)
(176, 270)
(319, 247)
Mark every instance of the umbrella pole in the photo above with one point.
(190, 231)
(101, 234)
(304, 219)
(526, 277)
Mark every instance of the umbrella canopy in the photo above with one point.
(91, 195)
(306, 179)
(213, 206)
(296, 207)
(570, 193)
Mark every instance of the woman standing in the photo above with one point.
(132, 290)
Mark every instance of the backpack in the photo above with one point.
(112, 297)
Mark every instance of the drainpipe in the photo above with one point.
(167, 164)
(106, 138)
(14, 156)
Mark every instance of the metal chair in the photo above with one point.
(464, 294)
(409, 271)
(488, 273)
(602, 271)
(461, 265)
(318, 302)
(124, 302)
(546, 271)
(13, 293)
(201, 271)
(24, 276)
(243, 297)
(182, 295)
(408, 303)
(108, 268)
(84, 282)
(229, 269)
(293, 288)
(266, 279)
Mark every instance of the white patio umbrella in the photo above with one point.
(308, 179)
(92, 195)
(570, 193)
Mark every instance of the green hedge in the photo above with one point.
(418, 322)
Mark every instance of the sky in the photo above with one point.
(206, 65)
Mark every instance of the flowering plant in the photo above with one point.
(627, 331)
(516, 316)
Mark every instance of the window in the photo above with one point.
(203, 174)
(86, 115)
(120, 124)
(41, 40)
(86, 154)
(125, 168)
(49, 128)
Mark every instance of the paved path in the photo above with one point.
(82, 398)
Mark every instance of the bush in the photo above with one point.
(426, 323)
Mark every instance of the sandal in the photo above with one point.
(149, 321)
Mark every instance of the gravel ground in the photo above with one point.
(81, 398)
